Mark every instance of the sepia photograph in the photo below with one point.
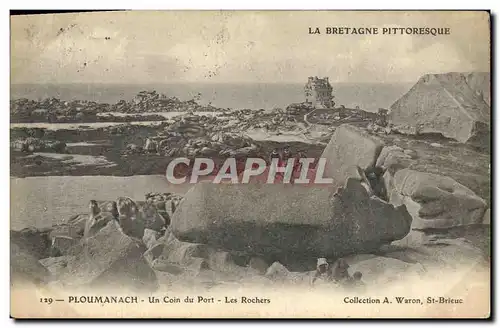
(250, 164)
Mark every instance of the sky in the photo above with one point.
(241, 47)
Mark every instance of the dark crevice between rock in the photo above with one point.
(375, 178)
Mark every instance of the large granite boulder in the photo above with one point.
(350, 146)
(435, 201)
(446, 104)
(394, 158)
(110, 259)
(284, 220)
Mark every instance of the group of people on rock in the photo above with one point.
(284, 155)
(338, 273)
(282, 158)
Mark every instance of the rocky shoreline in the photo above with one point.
(405, 201)
(429, 222)
(53, 110)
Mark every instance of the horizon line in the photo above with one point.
(197, 82)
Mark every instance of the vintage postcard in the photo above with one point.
(250, 164)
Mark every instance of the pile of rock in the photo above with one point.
(103, 247)
(55, 110)
(374, 204)
(58, 111)
(164, 203)
(196, 135)
(299, 108)
(358, 214)
(31, 145)
(376, 128)
(152, 101)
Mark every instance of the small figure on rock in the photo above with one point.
(151, 146)
(323, 271)
(297, 166)
(340, 271)
(355, 281)
(130, 220)
(94, 208)
(98, 218)
(375, 178)
(274, 154)
(286, 154)
(109, 207)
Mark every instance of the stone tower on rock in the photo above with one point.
(318, 92)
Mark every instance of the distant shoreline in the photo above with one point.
(369, 96)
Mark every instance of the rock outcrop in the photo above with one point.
(393, 158)
(330, 219)
(110, 259)
(298, 220)
(350, 146)
(453, 104)
(436, 201)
